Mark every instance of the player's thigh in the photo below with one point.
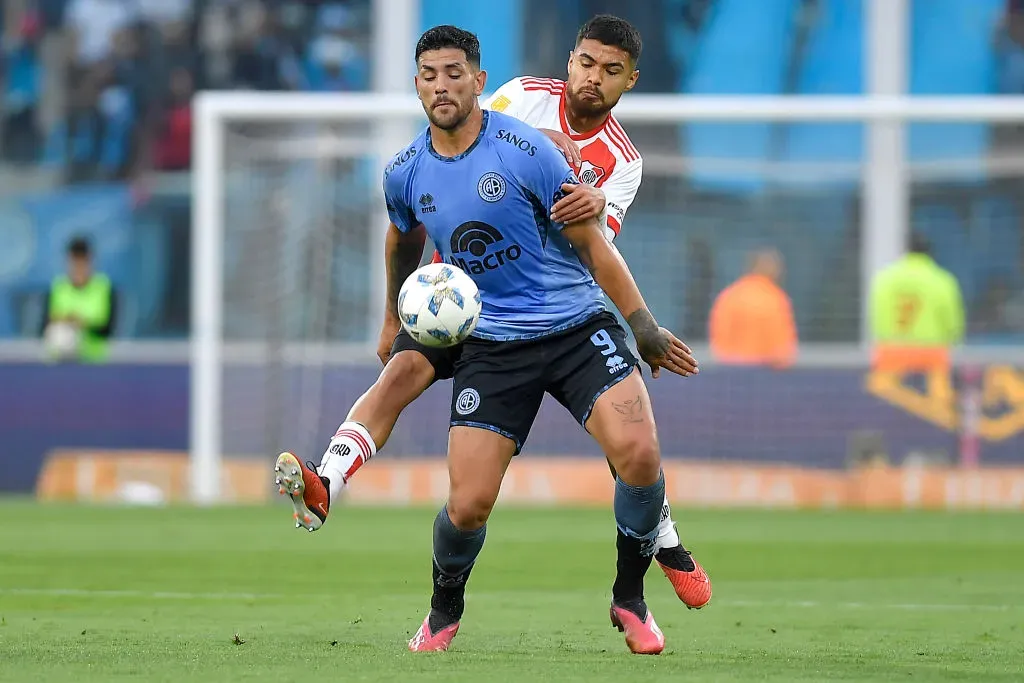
(622, 422)
(440, 361)
(594, 375)
(498, 386)
(477, 460)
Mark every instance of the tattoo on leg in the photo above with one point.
(631, 411)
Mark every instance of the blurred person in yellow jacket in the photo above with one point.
(80, 310)
(751, 321)
(916, 313)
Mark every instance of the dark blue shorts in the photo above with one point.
(499, 385)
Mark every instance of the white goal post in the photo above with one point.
(394, 120)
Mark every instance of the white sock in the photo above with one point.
(667, 536)
(349, 449)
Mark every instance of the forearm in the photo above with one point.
(402, 253)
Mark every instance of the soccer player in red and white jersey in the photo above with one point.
(576, 115)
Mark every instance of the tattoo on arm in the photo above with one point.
(632, 411)
(649, 340)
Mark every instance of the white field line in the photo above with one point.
(241, 597)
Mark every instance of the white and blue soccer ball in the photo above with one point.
(439, 305)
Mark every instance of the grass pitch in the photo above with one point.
(116, 594)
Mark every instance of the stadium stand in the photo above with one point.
(117, 111)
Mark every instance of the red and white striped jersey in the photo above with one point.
(610, 161)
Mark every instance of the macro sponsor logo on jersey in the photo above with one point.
(522, 144)
(399, 159)
(482, 248)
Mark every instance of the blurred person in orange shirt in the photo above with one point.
(752, 319)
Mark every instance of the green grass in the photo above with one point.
(113, 594)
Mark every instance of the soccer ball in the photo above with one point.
(61, 340)
(439, 305)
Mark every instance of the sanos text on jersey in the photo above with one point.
(516, 141)
(400, 159)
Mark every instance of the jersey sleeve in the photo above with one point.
(399, 211)
(620, 191)
(508, 99)
(544, 175)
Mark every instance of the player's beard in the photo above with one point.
(451, 117)
(588, 107)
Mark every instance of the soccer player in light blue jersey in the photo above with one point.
(481, 185)
(543, 329)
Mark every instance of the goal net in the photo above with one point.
(289, 279)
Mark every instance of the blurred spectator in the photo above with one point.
(80, 309)
(20, 136)
(1010, 48)
(752, 319)
(173, 145)
(110, 111)
(334, 61)
(91, 27)
(917, 313)
(263, 60)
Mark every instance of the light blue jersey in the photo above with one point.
(487, 210)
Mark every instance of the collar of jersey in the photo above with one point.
(479, 137)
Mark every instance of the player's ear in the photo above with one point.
(481, 82)
(568, 64)
(632, 79)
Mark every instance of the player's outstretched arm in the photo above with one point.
(657, 346)
(402, 253)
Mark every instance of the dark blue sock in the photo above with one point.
(637, 515)
(455, 551)
(638, 509)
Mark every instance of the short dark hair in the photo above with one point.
(79, 247)
(440, 37)
(615, 31)
(919, 244)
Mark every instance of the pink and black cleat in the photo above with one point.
(425, 641)
(643, 637)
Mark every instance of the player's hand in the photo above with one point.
(566, 146)
(387, 337)
(579, 203)
(662, 349)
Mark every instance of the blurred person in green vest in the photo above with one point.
(917, 313)
(80, 310)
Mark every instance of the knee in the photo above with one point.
(639, 460)
(469, 512)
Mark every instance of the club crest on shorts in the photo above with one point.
(491, 187)
(467, 402)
